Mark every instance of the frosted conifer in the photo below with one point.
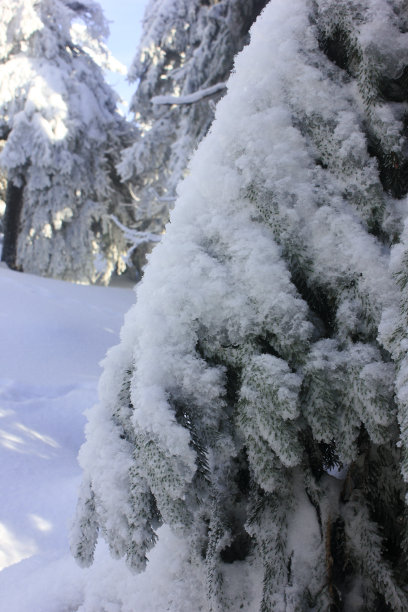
(257, 403)
(182, 64)
(63, 137)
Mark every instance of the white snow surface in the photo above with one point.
(53, 335)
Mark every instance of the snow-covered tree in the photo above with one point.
(183, 61)
(63, 138)
(258, 402)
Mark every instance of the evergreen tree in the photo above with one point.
(183, 61)
(63, 137)
(251, 404)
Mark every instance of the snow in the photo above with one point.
(207, 287)
(190, 98)
(255, 207)
(53, 336)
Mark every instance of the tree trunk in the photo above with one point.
(14, 204)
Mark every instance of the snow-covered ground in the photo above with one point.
(53, 335)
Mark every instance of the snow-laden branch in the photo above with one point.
(135, 237)
(190, 98)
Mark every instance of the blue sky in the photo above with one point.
(125, 17)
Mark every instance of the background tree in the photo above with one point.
(250, 405)
(64, 136)
(184, 58)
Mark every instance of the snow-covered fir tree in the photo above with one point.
(258, 401)
(183, 61)
(63, 139)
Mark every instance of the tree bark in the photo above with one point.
(14, 205)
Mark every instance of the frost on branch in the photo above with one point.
(268, 379)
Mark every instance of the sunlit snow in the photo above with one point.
(53, 336)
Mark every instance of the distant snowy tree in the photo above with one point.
(63, 138)
(184, 59)
(258, 402)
